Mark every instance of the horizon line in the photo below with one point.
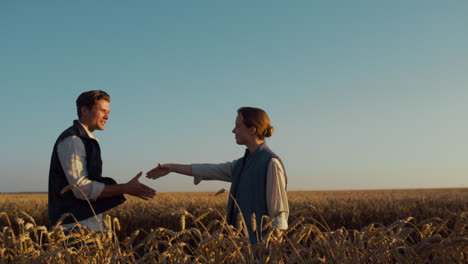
(296, 190)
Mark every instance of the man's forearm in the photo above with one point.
(112, 190)
(133, 187)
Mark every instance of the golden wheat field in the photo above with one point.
(378, 226)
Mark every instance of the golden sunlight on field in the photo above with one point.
(379, 226)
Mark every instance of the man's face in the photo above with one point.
(97, 117)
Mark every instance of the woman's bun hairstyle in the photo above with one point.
(258, 118)
(269, 131)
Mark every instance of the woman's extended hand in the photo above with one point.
(159, 171)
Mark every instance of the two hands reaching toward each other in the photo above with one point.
(136, 188)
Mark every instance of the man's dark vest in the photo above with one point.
(249, 188)
(60, 204)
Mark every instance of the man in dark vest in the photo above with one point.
(76, 163)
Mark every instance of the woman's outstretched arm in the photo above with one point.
(164, 169)
(202, 171)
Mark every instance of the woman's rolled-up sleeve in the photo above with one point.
(207, 172)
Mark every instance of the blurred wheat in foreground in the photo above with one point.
(413, 226)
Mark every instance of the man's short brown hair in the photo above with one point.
(89, 98)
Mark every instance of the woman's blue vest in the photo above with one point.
(248, 188)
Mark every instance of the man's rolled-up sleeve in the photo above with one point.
(72, 156)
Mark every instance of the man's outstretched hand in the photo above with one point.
(136, 188)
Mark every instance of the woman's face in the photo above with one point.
(241, 132)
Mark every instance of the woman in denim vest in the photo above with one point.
(258, 178)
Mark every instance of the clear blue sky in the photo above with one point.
(363, 94)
